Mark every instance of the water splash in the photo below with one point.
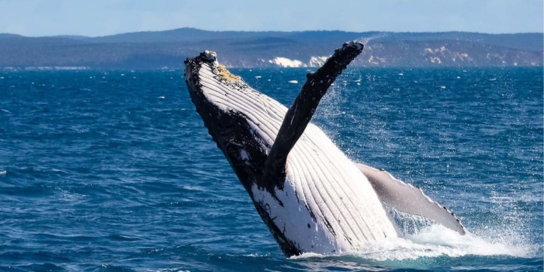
(366, 40)
(433, 242)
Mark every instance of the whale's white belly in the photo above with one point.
(345, 208)
(321, 181)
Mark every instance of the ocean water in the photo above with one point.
(114, 170)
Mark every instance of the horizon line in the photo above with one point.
(278, 31)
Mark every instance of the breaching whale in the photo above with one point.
(311, 196)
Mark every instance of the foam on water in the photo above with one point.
(437, 241)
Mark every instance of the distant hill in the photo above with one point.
(168, 49)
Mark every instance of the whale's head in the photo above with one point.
(231, 111)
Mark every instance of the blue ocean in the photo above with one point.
(115, 171)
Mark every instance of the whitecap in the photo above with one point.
(259, 255)
(58, 170)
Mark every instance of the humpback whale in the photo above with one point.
(312, 197)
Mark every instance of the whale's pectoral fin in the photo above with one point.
(302, 110)
(406, 198)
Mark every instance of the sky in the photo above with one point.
(107, 17)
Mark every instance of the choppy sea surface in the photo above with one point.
(114, 170)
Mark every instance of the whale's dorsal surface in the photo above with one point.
(311, 196)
